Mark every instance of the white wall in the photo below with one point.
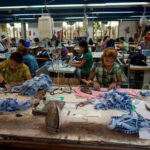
(33, 27)
(57, 26)
(132, 29)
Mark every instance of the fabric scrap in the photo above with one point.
(12, 104)
(31, 87)
(101, 92)
(114, 100)
(128, 123)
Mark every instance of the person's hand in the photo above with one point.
(70, 63)
(96, 86)
(112, 86)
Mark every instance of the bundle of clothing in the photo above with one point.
(114, 100)
(12, 104)
(128, 123)
(31, 87)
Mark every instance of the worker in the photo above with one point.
(63, 52)
(13, 42)
(123, 44)
(87, 61)
(15, 72)
(28, 59)
(107, 71)
(22, 43)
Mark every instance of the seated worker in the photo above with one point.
(13, 43)
(107, 71)
(15, 72)
(144, 44)
(63, 52)
(86, 63)
(28, 59)
(22, 43)
(123, 44)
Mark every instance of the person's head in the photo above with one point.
(15, 61)
(121, 39)
(36, 40)
(13, 40)
(83, 46)
(109, 57)
(145, 39)
(22, 43)
(23, 50)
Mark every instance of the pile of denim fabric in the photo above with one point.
(31, 87)
(128, 123)
(11, 104)
(114, 100)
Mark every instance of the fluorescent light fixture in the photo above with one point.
(78, 17)
(39, 14)
(27, 18)
(140, 16)
(113, 12)
(134, 19)
(77, 5)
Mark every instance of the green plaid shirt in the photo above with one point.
(103, 77)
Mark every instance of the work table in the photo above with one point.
(82, 128)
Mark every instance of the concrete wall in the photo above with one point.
(132, 29)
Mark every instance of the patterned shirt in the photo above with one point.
(103, 77)
(14, 76)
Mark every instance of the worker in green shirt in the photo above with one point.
(123, 44)
(87, 61)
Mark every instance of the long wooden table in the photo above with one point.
(81, 128)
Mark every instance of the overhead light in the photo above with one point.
(134, 19)
(77, 5)
(27, 18)
(113, 12)
(38, 14)
(140, 16)
(78, 17)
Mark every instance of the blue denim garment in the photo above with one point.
(128, 123)
(114, 100)
(11, 104)
(31, 87)
(146, 93)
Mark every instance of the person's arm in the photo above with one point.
(78, 65)
(114, 84)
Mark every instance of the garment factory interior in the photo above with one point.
(75, 74)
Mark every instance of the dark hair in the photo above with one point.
(111, 43)
(13, 39)
(16, 56)
(36, 40)
(145, 38)
(23, 50)
(105, 38)
(131, 39)
(99, 40)
(84, 44)
(23, 42)
(122, 38)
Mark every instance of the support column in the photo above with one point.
(23, 29)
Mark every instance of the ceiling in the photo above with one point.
(73, 10)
